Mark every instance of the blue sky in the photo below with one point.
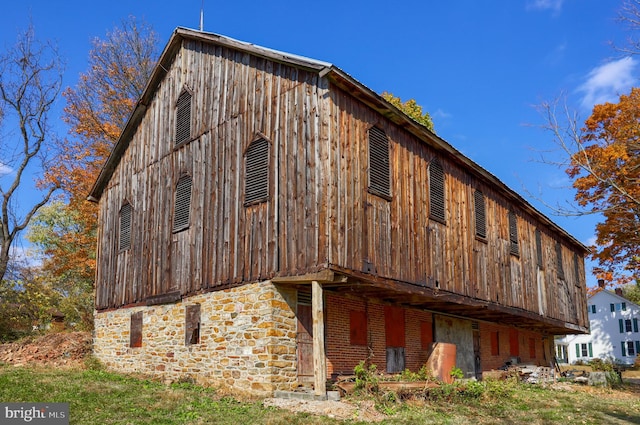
(478, 67)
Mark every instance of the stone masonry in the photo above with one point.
(247, 340)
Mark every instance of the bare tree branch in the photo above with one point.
(30, 82)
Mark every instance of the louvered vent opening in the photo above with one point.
(379, 163)
(559, 260)
(436, 191)
(539, 248)
(183, 118)
(183, 204)
(304, 296)
(257, 172)
(513, 233)
(125, 226)
(481, 220)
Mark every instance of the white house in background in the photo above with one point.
(615, 335)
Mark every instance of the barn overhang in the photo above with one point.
(430, 298)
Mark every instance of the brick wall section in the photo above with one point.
(489, 361)
(342, 357)
(247, 340)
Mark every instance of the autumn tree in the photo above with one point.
(26, 306)
(53, 233)
(411, 108)
(30, 82)
(604, 165)
(96, 111)
(606, 175)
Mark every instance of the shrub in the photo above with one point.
(601, 365)
(366, 377)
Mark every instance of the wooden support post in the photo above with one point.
(319, 358)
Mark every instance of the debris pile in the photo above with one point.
(63, 349)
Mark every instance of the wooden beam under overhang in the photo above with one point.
(438, 301)
(323, 276)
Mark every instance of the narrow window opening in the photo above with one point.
(182, 205)
(495, 343)
(357, 327)
(560, 266)
(379, 168)
(256, 182)
(135, 331)
(125, 227)
(192, 324)
(532, 348)
(513, 234)
(481, 219)
(436, 191)
(183, 118)
(539, 249)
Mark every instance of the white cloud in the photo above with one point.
(553, 5)
(607, 82)
(591, 241)
(441, 115)
(4, 169)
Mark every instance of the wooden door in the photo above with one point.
(476, 351)
(305, 343)
(395, 338)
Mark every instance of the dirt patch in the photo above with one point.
(362, 411)
(64, 349)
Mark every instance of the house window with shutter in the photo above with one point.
(560, 266)
(539, 249)
(514, 249)
(135, 332)
(436, 191)
(182, 207)
(192, 324)
(481, 220)
(584, 350)
(183, 118)
(256, 169)
(379, 168)
(125, 227)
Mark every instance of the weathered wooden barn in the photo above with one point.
(266, 221)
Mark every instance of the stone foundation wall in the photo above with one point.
(247, 340)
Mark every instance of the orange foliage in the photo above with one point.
(96, 111)
(606, 175)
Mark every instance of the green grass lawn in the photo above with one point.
(98, 397)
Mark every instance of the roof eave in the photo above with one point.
(378, 103)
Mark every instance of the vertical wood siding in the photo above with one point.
(319, 211)
(236, 97)
(396, 239)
